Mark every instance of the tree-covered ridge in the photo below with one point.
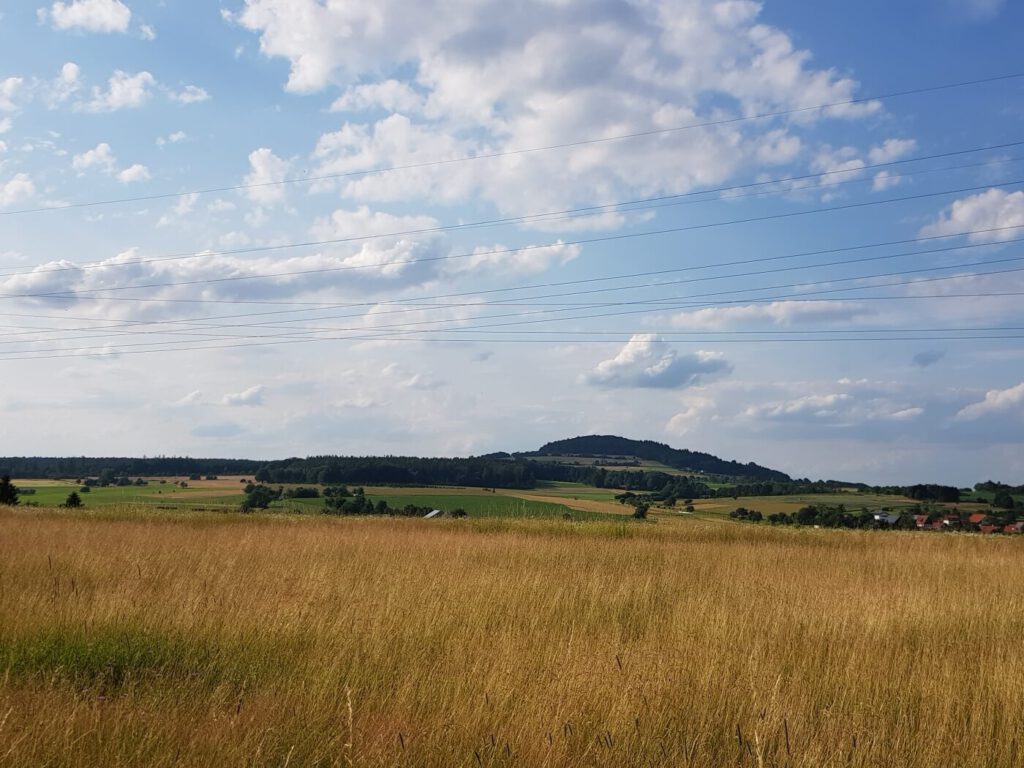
(400, 470)
(50, 467)
(677, 458)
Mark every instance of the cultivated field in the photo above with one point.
(226, 494)
(132, 637)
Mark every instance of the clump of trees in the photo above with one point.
(8, 491)
(260, 496)
(742, 513)
(358, 503)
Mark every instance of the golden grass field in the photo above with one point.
(137, 638)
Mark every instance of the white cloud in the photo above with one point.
(100, 157)
(698, 408)
(65, 85)
(992, 209)
(133, 173)
(15, 189)
(489, 80)
(9, 87)
(779, 147)
(778, 313)
(124, 91)
(146, 32)
(251, 396)
(996, 402)
(856, 403)
(90, 15)
(389, 95)
(190, 94)
(530, 259)
(173, 138)
(884, 180)
(220, 205)
(5, 125)
(891, 150)
(181, 209)
(647, 362)
(268, 170)
(837, 165)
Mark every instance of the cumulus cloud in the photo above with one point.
(5, 125)
(854, 403)
(100, 157)
(993, 209)
(89, 15)
(133, 173)
(778, 313)
(268, 170)
(124, 91)
(190, 94)
(9, 87)
(354, 269)
(17, 188)
(488, 78)
(389, 95)
(173, 138)
(647, 362)
(697, 408)
(997, 402)
(891, 150)
(181, 209)
(251, 396)
(65, 85)
(529, 259)
(837, 165)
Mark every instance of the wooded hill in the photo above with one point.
(599, 446)
(492, 471)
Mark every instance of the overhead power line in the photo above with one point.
(623, 206)
(523, 300)
(529, 150)
(385, 332)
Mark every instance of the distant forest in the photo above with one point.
(521, 471)
(38, 467)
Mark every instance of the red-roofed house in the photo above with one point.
(977, 518)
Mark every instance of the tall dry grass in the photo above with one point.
(133, 640)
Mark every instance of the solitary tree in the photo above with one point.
(8, 491)
(73, 501)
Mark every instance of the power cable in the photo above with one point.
(526, 150)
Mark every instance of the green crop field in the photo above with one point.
(52, 494)
(853, 501)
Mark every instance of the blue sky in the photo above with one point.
(177, 321)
